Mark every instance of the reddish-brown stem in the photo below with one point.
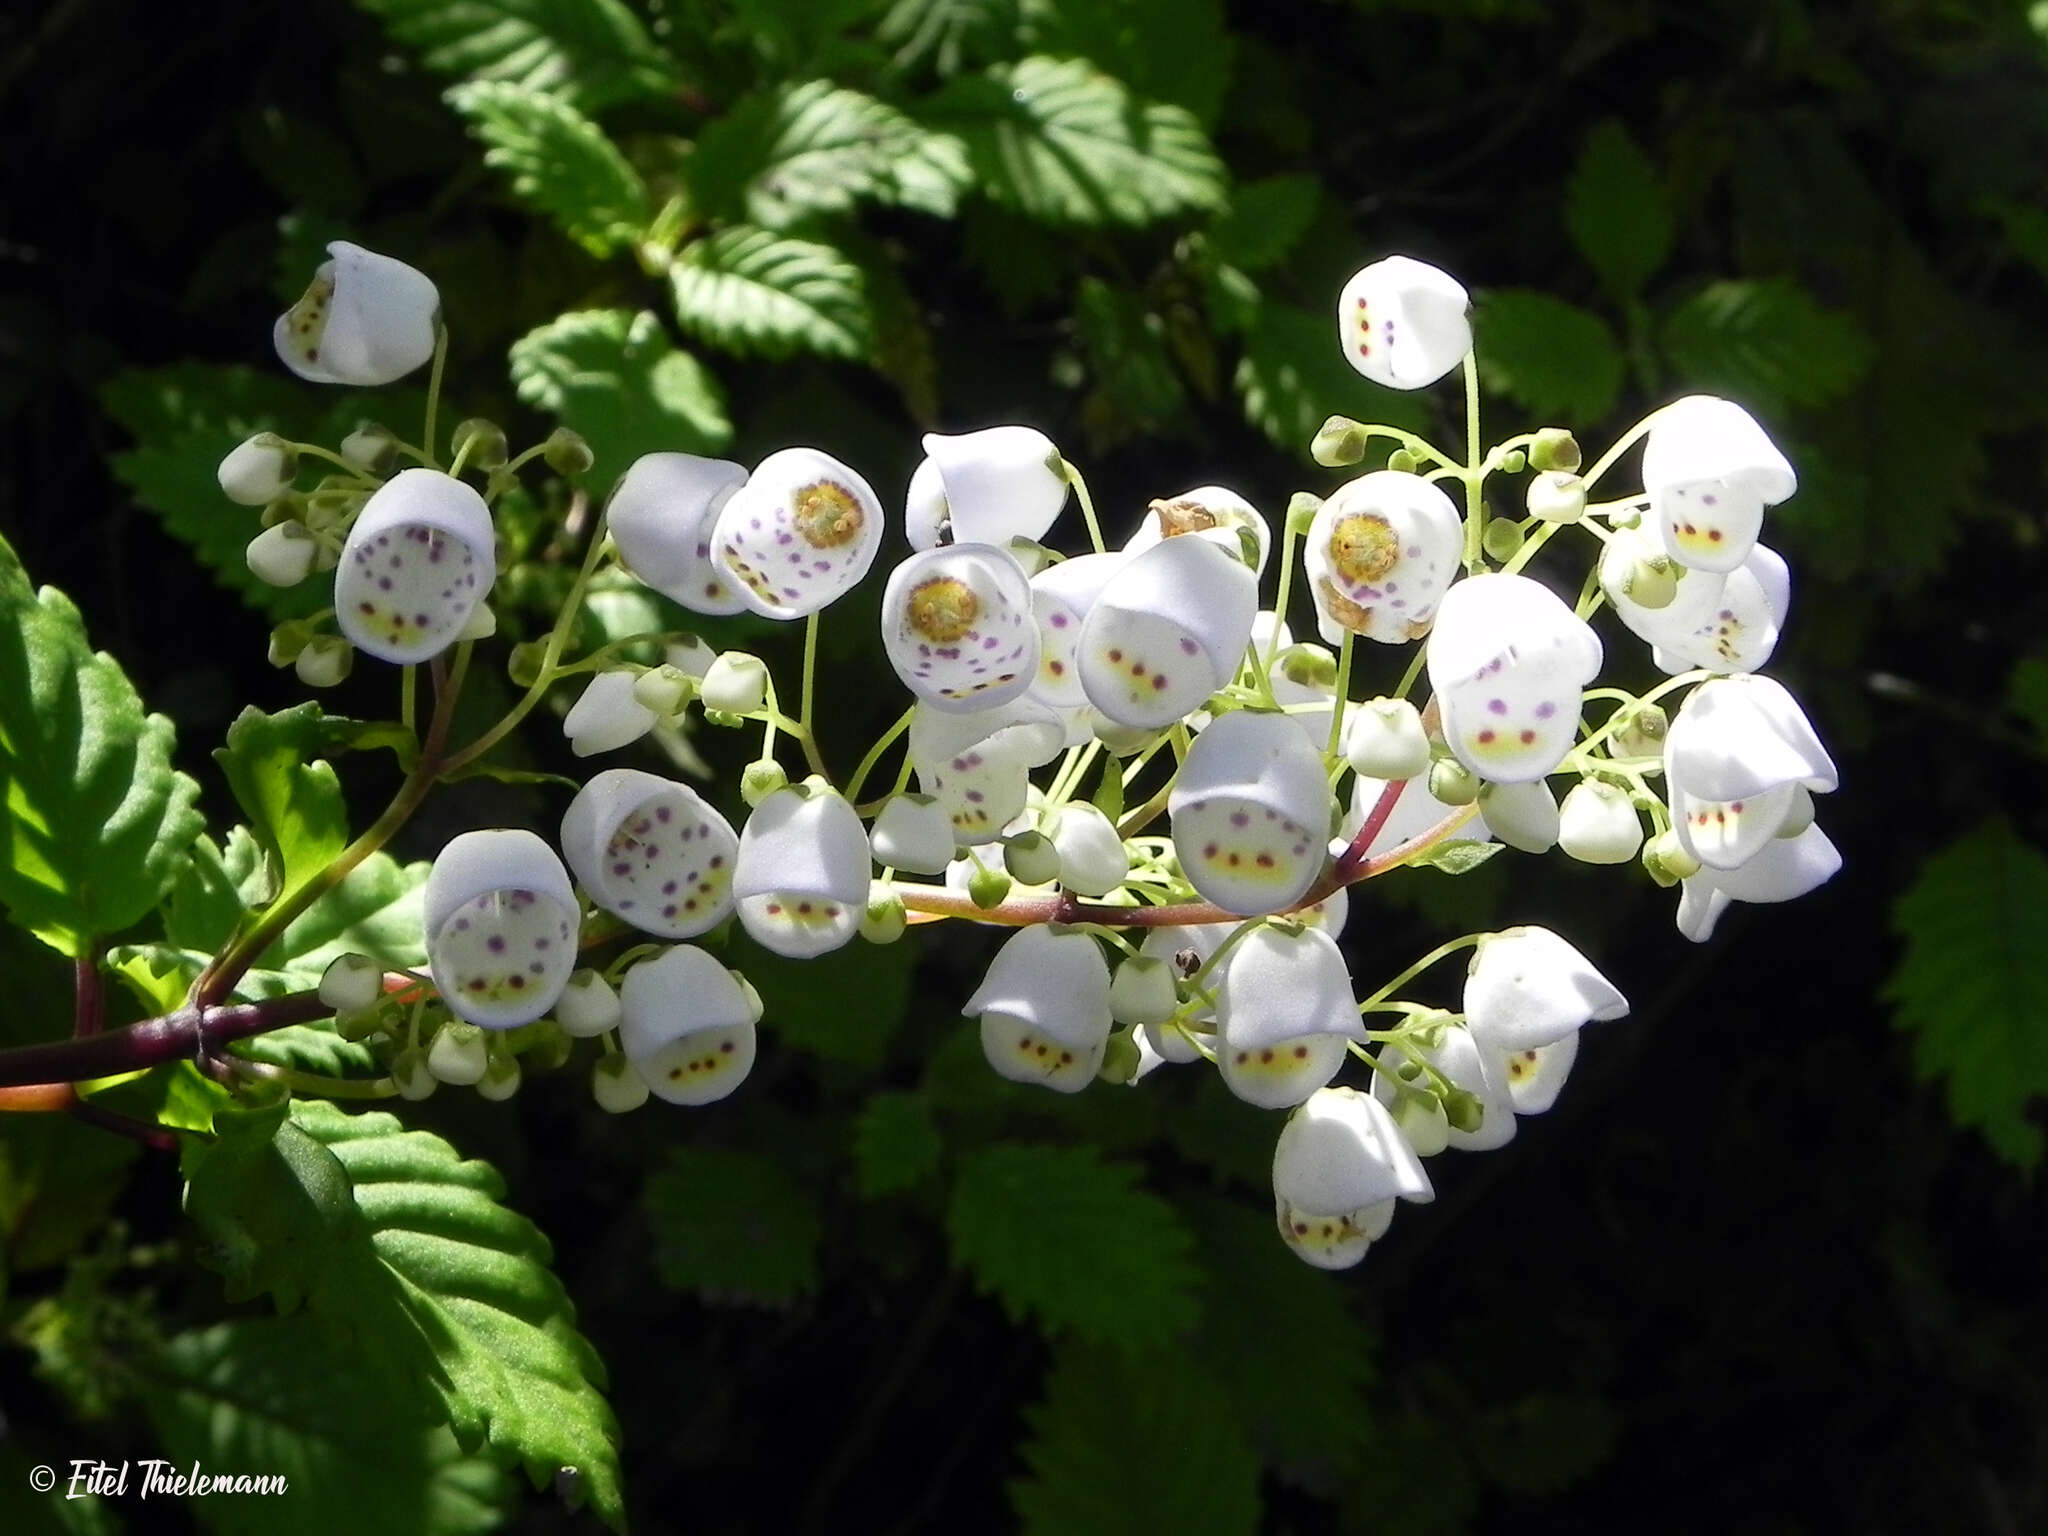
(150, 1043)
(90, 1013)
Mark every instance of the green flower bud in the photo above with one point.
(1555, 448)
(885, 920)
(524, 664)
(1463, 1109)
(544, 1043)
(1667, 861)
(287, 640)
(1557, 497)
(987, 887)
(1514, 461)
(409, 1071)
(1452, 782)
(1502, 539)
(566, 453)
(1120, 1059)
(501, 1078)
(1652, 583)
(1403, 462)
(665, 690)
(370, 448)
(1031, 858)
(1308, 666)
(760, 779)
(1142, 991)
(288, 508)
(1642, 733)
(359, 1026)
(324, 661)
(1338, 442)
(478, 443)
(616, 1086)
(1302, 507)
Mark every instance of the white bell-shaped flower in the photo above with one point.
(958, 627)
(1724, 623)
(1381, 553)
(1597, 824)
(985, 487)
(1044, 1009)
(501, 922)
(801, 875)
(651, 851)
(1524, 816)
(1480, 1072)
(1528, 987)
(661, 517)
(1061, 596)
(606, 715)
(1093, 859)
(1168, 630)
(912, 832)
(978, 766)
(687, 1025)
(1416, 810)
(1283, 1015)
(799, 534)
(1338, 1167)
(1710, 471)
(1737, 754)
(1536, 1073)
(1509, 663)
(1785, 868)
(365, 319)
(1251, 813)
(1403, 323)
(419, 558)
(1212, 512)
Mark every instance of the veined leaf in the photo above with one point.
(1169, 50)
(559, 161)
(1292, 377)
(1265, 221)
(895, 1144)
(614, 376)
(1969, 983)
(1060, 1236)
(751, 290)
(292, 798)
(1137, 389)
(944, 31)
(732, 1226)
(590, 52)
(96, 820)
(1061, 141)
(1616, 211)
(1457, 856)
(1557, 359)
(1765, 342)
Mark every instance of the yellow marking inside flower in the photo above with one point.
(1697, 538)
(806, 912)
(306, 321)
(1330, 1236)
(827, 514)
(942, 609)
(753, 580)
(1364, 547)
(1522, 1066)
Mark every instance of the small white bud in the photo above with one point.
(1597, 825)
(885, 920)
(409, 1072)
(458, 1055)
(664, 690)
(912, 832)
(606, 716)
(588, 1006)
(1384, 739)
(617, 1086)
(1557, 497)
(1031, 858)
(500, 1080)
(736, 683)
(258, 471)
(1523, 816)
(370, 448)
(351, 983)
(325, 661)
(691, 657)
(1142, 991)
(283, 556)
(481, 625)
(1093, 860)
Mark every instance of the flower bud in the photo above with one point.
(1557, 497)
(1523, 816)
(617, 1086)
(912, 833)
(501, 1078)
(351, 983)
(365, 320)
(1598, 825)
(259, 470)
(478, 444)
(1122, 1060)
(480, 625)
(1463, 1110)
(1402, 462)
(736, 683)
(1384, 739)
(606, 716)
(1338, 442)
(283, 556)
(524, 663)
(1555, 449)
(1093, 859)
(371, 448)
(287, 640)
(1452, 782)
(1502, 540)
(588, 1006)
(691, 657)
(1649, 583)
(760, 779)
(1302, 508)
(458, 1055)
(566, 452)
(987, 887)
(1307, 666)
(884, 921)
(1642, 732)
(409, 1072)
(664, 690)
(1031, 858)
(1514, 461)
(324, 660)
(1142, 991)
(1666, 860)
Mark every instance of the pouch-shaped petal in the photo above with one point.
(1044, 1009)
(978, 766)
(800, 533)
(958, 627)
(1509, 663)
(687, 1025)
(985, 487)
(1524, 816)
(1093, 860)
(1536, 1074)
(1403, 323)
(365, 320)
(1737, 752)
(419, 558)
(1380, 554)
(1785, 868)
(1333, 1242)
(912, 832)
(1061, 596)
(1478, 1071)
(800, 876)
(651, 851)
(1212, 512)
(1281, 1074)
(1723, 623)
(1278, 985)
(606, 715)
(1251, 813)
(1168, 630)
(501, 923)
(1341, 1151)
(1527, 987)
(661, 518)
(1710, 471)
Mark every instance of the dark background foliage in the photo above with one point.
(1774, 1262)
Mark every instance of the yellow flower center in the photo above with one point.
(827, 515)
(943, 609)
(1364, 547)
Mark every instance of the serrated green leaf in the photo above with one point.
(590, 52)
(558, 160)
(1559, 360)
(1169, 50)
(312, 1048)
(844, 1006)
(1457, 856)
(895, 1144)
(1970, 986)
(1616, 212)
(944, 31)
(178, 1097)
(807, 148)
(276, 1397)
(1137, 392)
(731, 1226)
(1126, 1443)
(214, 891)
(614, 376)
(751, 290)
(1064, 143)
(1765, 342)
(96, 820)
(1292, 377)
(1060, 1236)
(292, 798)
(1265, 221)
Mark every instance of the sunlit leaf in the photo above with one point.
(1616, 211)
(558, 160)
(751, 290)
(590, 52)
(1765, 342)
(1559, 360)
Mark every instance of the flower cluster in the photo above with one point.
(1153, 670)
